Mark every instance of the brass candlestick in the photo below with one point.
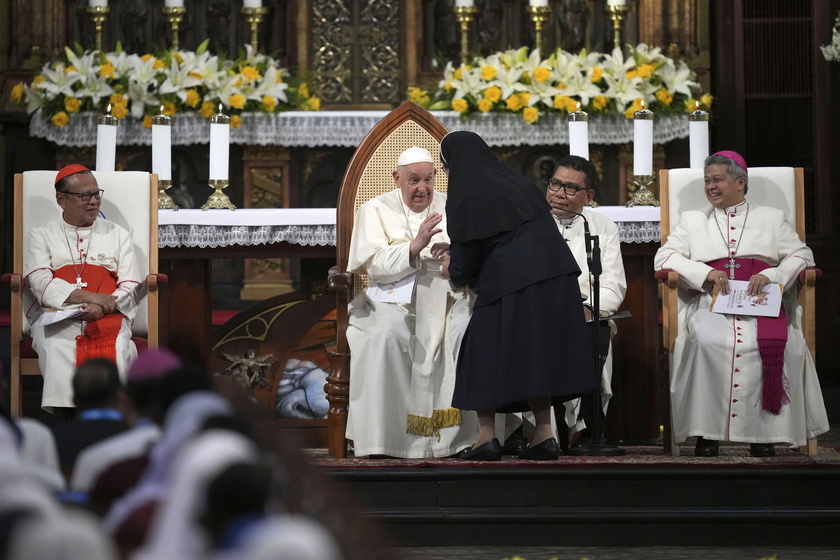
(98, 14)
(174, 16)
(539, 15)
(254, 16)
(218, 199)
(642, 196)
(165, 201)
(617, 15)
(465, 16)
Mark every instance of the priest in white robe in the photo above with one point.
(84, 264)
(569, 192)
(405, 329)
(735, 377)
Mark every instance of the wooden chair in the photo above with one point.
(130, 201)
(368, 175)
(779, 187)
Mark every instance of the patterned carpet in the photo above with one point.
(731, 455)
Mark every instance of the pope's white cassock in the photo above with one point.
(51, 247)
(613, 286)
(716, 382)
(403, 355)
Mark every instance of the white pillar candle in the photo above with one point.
(219, 146)
(252, 4)
(538, 3)
(698, 134)
(643, 142)
(97, 3)
(579, 133)
(616, 2)
(162, 147)
(173, 3)
(464, 3)
(106, 142)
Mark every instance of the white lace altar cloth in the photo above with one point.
(310, 129)
(316, 226)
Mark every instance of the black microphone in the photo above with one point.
(587, 239)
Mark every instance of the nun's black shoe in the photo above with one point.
(762, 450)
(490, 451)
(548, 450)
(706, 448)
(515, 444)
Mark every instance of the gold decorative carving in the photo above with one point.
(258, 326)
(356, 63)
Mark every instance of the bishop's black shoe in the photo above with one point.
(548, 450)
(706, 448)
(490, 451)
(762, 450)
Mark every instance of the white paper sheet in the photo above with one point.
(738, 302)
(400, 291)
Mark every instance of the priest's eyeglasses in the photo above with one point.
(571, 189)
(86, 196)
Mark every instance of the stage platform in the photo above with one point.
(645, 498)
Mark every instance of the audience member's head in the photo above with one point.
(96, 384)
(239, 492)
(67, 536)
(145, 375)
(180, 381)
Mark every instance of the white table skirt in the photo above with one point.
(347, 129)
(316, 226)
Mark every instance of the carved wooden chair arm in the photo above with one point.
(337, 280)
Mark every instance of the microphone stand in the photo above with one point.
(593, 260)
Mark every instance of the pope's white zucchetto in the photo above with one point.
(414, 155)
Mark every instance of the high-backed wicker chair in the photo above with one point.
(368, 175)
(778, 187)
(130, 201)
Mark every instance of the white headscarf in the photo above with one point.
(184, 418)
(176, 532)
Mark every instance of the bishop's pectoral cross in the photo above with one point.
(79, 284)
(732, 266)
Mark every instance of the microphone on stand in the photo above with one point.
(593, 262)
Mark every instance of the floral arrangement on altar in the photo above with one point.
(136, 86)
(831, 51)
(516, 81)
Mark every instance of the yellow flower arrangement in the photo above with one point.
(524, 83)
(183, 81)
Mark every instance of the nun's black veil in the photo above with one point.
(484, 197)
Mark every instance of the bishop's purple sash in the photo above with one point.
(772, 337)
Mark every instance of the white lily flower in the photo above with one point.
(83, 65)
(579, 85)
(469, 84)
(542, 92)
(96, 88)
(34, 98)
(623, 89)
(272, 86)
(178, 80)
(508, 81)
(677, 79)
(139, 95)
(123, 63)
(58, 81)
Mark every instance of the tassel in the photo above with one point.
(430, 427)
(774, 390)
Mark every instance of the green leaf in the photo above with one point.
(203, 46)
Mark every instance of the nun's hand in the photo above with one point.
(440, 250)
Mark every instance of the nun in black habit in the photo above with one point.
(527, 344)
